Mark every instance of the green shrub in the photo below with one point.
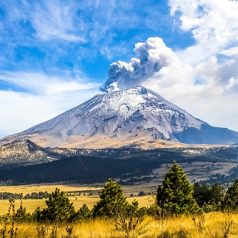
(83, 213)
(175, 195)
(209, 197)
(59, 209)
(112, 200)
(230, 202)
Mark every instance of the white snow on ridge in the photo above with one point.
(135, 111)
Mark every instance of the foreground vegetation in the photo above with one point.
(180, 210)
(210, 225)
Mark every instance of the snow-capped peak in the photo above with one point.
(125, 115)
(121, 113)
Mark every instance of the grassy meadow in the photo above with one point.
(46, 187)
(210, 225)
(206, 225)
(78, 201)
(214, 225)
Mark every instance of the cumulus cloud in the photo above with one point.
(212, 23)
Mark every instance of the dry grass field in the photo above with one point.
(211, 225)
(78, 201)
(25, 189)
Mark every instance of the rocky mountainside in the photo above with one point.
(136, 116)
(23, 152)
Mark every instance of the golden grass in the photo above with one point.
(211, 225)
(214, 225)
(32, 204)
(26, 189)
(78, 201)
(144, 201)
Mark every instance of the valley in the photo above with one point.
(130, 166)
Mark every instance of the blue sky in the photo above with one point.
(56, 54)
(88, 35)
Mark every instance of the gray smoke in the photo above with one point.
(151, 57)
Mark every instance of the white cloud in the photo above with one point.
(213, 58)
(233, 51)
(213, 25)
(54, 20)
(39, 83)
(45, 97)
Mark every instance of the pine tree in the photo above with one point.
(59, 209)
(84, 213)
(175, 195)
(230, 202)
(111, 201)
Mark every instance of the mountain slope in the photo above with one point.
(23, 152)
(134, 116)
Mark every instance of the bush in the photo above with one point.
(130, 219)
(84, 213)
(209, 197)
(21, 215)
(59, 209)
(112, 201)
(141, 193)
(154, 211)
(230, 202)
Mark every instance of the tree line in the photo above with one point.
(33, 195)
(43, 195)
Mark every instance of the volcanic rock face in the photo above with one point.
(128, 116)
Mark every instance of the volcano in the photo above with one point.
(125, 117)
